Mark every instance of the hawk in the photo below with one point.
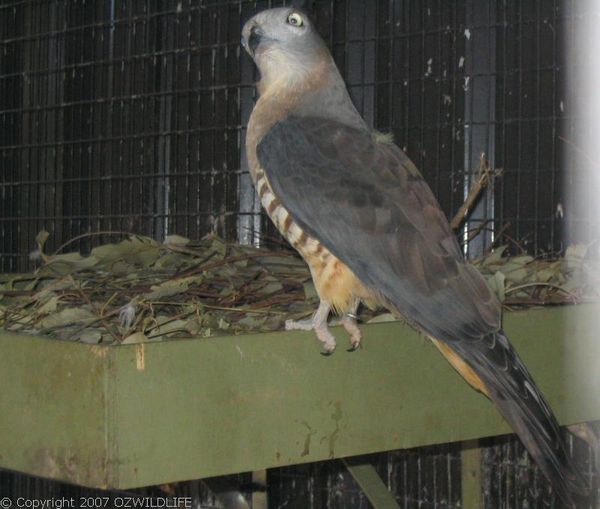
(368, 226)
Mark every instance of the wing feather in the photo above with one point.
(368, 204)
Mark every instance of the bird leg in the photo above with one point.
(319, 323)
(348, 320)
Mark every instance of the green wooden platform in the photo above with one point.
(138, 415)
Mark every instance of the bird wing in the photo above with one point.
(369, 205)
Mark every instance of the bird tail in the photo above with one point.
(494, 367)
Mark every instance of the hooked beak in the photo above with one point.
(256, 34)
(250, 42)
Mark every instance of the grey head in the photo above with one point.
(293, 60)
(285, 45)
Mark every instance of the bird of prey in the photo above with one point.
(361, 215)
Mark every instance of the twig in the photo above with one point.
(473, 232)
(540, 284)
(244, 310)
(89, 234)
(169, 320)
(484, 177)
(217, 308)
(498, 236)
(102, 318)
(232, 259)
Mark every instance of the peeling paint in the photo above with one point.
(334, 435)
(240, 351)
(140, 357)
(66, 464)
(99, 351)
(311, 432)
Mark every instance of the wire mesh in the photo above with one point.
(512, 480)
(128, 115)
(428, 478)
(530, 111)
(118, 116)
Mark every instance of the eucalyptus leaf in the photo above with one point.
(50, 305)
(310, 292)
(176, 240)
(171, 261)
(211, 288)
(67, 317)
(252, 322)
(497, 284)
(134, 251)
(136, 337)
(41, 238)
(91, 336)
(67, 263)
(495, 256)
(168, 326)
(167, 289)
(515, 275)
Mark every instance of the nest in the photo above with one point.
(143, 290)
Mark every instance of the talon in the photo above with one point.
(327, 350)
(354, 345)
(318, 323)
(326, 338)
(349, 323)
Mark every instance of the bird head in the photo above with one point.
(286, 48)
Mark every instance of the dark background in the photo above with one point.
(129, 116)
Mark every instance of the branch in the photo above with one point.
(486, 175)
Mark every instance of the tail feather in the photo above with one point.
(508, 383)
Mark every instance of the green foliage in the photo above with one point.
(524, 280)
(142, 290)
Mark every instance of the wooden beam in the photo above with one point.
(371, 484)
(472, 478)
(138, 415)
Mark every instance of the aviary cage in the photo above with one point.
(129, 116)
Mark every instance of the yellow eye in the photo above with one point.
(295, 19)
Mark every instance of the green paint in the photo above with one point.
(207, 407)
(472, 477)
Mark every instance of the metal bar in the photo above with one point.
(260, 500)
(228, 493)
(480, 104)
(371, 484)
(472, 476)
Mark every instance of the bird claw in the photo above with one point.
(326, 338)
(349, 323)
(319, 324)
(323, 334)
(327, 350)
(355, 344)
